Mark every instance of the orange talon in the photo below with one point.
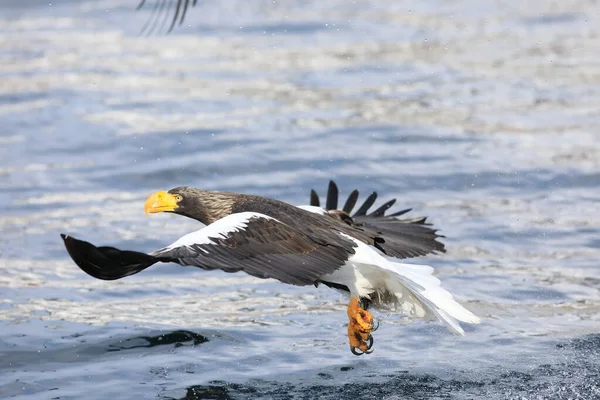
(364, 320)
(354, 337)
(360, 326)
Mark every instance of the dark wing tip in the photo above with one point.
(351, 202)
(154, 21)
(366, 205)
(332, 196)
(106, 263)
(314, 198)
(380, 212)
(401, 212)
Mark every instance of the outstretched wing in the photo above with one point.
(260, 246)
(172, 12)
(401, 237)
(251, 242)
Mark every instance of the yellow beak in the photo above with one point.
(160, 202)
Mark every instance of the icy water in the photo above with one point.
(482, 115)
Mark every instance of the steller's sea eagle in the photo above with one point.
(307, 245)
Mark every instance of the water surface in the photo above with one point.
(482, 116)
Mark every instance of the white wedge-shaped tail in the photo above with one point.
(411, 288)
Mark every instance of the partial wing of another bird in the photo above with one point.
(251, 242)
(161, 10)
(403, 237)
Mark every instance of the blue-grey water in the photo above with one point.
(482, 115)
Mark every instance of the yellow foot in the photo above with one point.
(360, 326)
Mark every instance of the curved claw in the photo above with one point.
(356, 353)
(369, 347)
(374, 327)
(369, 350)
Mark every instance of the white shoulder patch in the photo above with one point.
(314, 209)
(218, 229)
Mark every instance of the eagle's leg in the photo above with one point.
(360, 326)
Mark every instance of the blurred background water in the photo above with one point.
(482, 115)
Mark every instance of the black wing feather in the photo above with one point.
(314, 199)
(106, 263)
(179, 10)
(332, 196)
(401, 238)
(366, 205)
(401, 212)
(351, 202)
(380, 212)
(174, 21)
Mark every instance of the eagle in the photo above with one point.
(358, 254)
